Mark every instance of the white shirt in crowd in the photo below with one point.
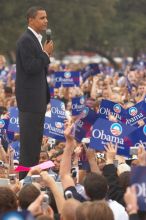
(118, 210)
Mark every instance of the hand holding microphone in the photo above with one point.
(48, 35)
(48, 45)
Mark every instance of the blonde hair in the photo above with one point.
(97, 210)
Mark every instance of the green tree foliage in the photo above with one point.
(131, 17)
(76, 24)
(109, 27)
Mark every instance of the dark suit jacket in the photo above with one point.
(32, 92)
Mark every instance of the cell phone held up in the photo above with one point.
(133, 150)
(36, 178)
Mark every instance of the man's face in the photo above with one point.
(43, 157)
(57, 163)
(140, 89)
(39, 22)
(132, 77)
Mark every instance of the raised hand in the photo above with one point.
(111, 151)
(131, 200)
(142, 155)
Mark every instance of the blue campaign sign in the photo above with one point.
(10, 135)
(16, 146)
(4, 123)
(78, 103)
(138, 179)
(138, 137)
(104, 131)
(83, 124)
(51, 89)
(5, 135)
(136, 113)
(54, 128)
(90, 70)
(57, 109)
(4, 138)
(66, 79)
(108, 107)
(56, 79)
(14, 120)
(46, 126)
(84, 165)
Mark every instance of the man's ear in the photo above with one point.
(30, 21)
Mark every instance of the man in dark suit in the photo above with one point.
(32, 92)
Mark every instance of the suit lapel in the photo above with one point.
(34, 37)
(38, 44)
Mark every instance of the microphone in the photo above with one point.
(48, 35)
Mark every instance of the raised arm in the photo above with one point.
(65, 166)
(50, 182)
(92, 161)
(115, 191)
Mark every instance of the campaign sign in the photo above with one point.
(84, 165)
(108, 107)
(54, 128)
(16, 146)
(138, 179)
(83, 124)
(10, 135)
(4, 123)
(138, 137)
(104, 131)
(66, 79)
(57, 109)
(14, 120)
(78, 103)
(5, 135)
(136, 113)
(90, 70)
(51, 89)
(3, 130)
(4, 138)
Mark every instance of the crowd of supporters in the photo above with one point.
(69, 190)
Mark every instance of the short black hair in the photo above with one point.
(31, 12)
(96, 186)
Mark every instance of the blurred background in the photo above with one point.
(81, 29)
